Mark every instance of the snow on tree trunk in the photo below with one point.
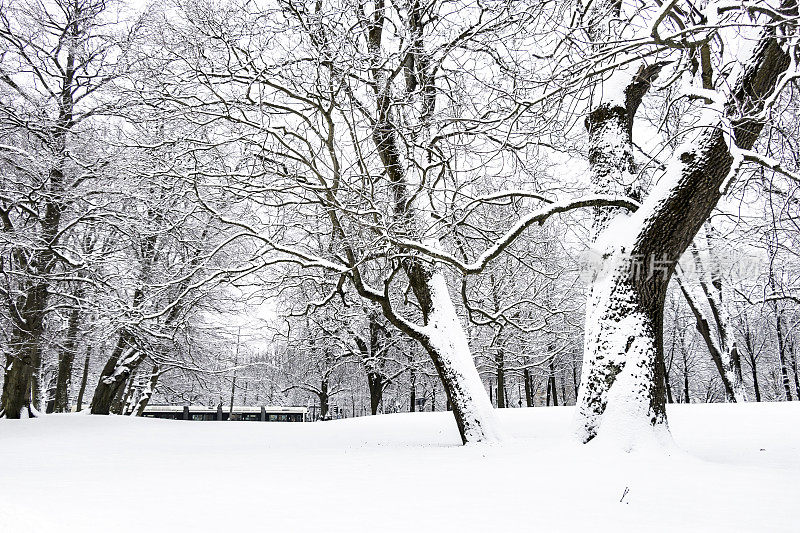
(446, 342)
(622, 393)
(124, 359)
(147, 393)
(620, 385)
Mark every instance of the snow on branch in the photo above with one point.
(536, 217)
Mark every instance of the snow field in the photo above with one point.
(734, 468)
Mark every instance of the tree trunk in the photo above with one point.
(125, 406)
(716, 354)
(501, 378)
(725, 355)
(124, 359)
(622, 392)
(446, 342)
(376, 384)
(84, 378)
(666, 382)
(323, 400)
(793, 361)
(686, 397)
(117, 402)
(528, 392)
(552, 382)
(65, 360)
(442, 336)
(19, 384)
(754, 373)
(147, 393)
(413, 399)
(549, 388)
(787, 388)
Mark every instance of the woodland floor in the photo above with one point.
(737, 470)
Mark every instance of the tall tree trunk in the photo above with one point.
(549, 389)
(376, 385)
(622, 392)
(372, 362)
(574, 379)
(117, 403)
(442, 336)
(793, 361)
(446, 342)
(412, 392)
(125, 407)
(412, 386)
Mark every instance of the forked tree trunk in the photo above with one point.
(124, 359)
(372, 362)
(443, 337)
(622, 393)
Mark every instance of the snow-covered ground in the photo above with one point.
(738, 471)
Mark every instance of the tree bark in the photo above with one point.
(443, 337)
(84, 378)
(787, 388)
(147, 393)
(501, 378)
(686, 397)
(323, 400)
(528, 392)
(124, 359)
(372, 361)
(622, 386)
(65, 360)
(716, 355)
